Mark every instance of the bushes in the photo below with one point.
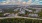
(1, 14)
(19, 20)
(40, 14)
(12, 20)
(20, 14)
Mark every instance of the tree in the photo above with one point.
(8, 10)
(19, 20)
(1, 15)
(20, 14)
(16, 11)
(40, 13)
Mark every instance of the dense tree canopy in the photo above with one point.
(19, 20)
(40, 13)
(1, 14)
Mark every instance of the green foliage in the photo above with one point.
(31, 9)
(8, 11)
(1, 14)
(40, 13)
(19, 20)
(16, 11)
(26, 12)
(20, 14)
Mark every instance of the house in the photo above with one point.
(6, 14)
(16, 9)
(37, 10)
(33, 15)
(28, 10)
(12, 15)
(22, 12)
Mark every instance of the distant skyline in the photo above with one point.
(20, 2)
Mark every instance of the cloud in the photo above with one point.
(11, 2)
(19, 2)
(4, 2)
(37, 2)
(29, 2)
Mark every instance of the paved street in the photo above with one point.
(20, 17)
(15, 16)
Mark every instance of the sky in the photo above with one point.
(21, 2)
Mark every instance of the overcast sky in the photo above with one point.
(21, 2)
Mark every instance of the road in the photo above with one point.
(21, 17)
(15, 16)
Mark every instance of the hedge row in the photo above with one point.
(19, 20)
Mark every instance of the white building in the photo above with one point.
(6, 14)
(16, 9)
(33, 15)
(22, 12)
(28, 10)
(37, 10)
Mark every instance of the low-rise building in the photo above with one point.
(6, 14)
(37, 10)
(16, 9)
(22, 12)
(33, 15)
(28, 10)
